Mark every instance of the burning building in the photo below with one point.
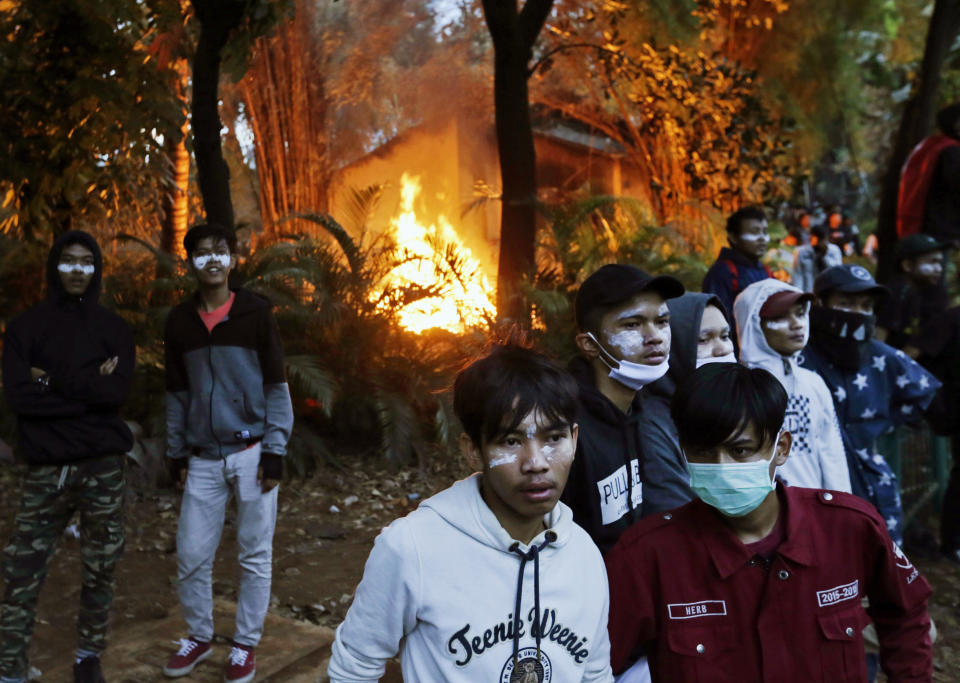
(430, 177)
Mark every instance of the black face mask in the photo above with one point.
(841, 337)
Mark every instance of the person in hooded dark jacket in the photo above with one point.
(739, 265)
(909, 318)
(67, 365)
(624, 341)
(701, 334)
(874, 386)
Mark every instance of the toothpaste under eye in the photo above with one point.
(502, 457)
(929, 268)
(200, 262)
(778, 325)
(84, 268)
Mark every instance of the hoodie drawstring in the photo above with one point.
(532, 554)
(628, 449)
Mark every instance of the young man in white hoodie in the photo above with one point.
(773, 322)
(490, 579)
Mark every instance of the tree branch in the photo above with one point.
(569, 46)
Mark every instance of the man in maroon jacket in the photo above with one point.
(756, 581)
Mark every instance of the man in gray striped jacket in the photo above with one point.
(229, 417)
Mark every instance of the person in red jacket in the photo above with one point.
(929, 197)
(754, 581)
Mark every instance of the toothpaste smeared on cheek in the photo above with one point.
(781, 325)
(84, 268)
(929, 269)
(627, 342)
(200, 262)
(501, 456)
(558, 453)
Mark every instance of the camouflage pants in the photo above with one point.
(51, 495)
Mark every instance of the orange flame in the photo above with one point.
(466, 301)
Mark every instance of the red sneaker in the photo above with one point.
(190, 653)
(242, 664)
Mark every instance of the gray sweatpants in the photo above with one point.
(210, 483)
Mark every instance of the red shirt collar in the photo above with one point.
(729, 554)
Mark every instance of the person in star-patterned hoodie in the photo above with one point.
(875, 387)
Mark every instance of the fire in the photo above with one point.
(466, 299)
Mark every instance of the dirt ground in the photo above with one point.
(318, 559)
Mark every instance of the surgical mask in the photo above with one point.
(735, 489)
(631, 375)
(84, 268)
(727, 358)
(200, 262)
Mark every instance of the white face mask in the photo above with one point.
(84, 268)
(728, 358)
(200, 262)
(631, 375)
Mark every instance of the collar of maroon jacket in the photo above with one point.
(729, 554)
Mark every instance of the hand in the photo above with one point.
(109, 365)
(266, 485)
(178, 472)
(37, 373)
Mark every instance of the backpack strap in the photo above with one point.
(735, 274)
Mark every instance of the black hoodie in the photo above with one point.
(667, 482)
(77, 415)
(604, 500)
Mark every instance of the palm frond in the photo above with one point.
(350, 248)
(310, 379)
(361, 204)
(166, 260)
(306, 449)
(399, 428)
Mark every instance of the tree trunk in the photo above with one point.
(217, 20)
(513, 33)
(174, 205)
(915, 124)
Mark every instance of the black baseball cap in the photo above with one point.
(918, 245)
(617, 282)
(848, 278)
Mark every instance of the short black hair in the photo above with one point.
(947, 119)
(494, 393)
(747, 213)
(214, 231)
(721, 399)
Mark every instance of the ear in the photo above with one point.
(906, 265)
(574, 433)
(470, 452)
(233, 261)
(587, 346)
(783, 448)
